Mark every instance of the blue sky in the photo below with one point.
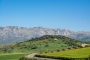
(67, 14)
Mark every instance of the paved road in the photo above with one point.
(39, 58)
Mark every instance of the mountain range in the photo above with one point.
(11, 34)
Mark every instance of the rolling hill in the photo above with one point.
(41, 44)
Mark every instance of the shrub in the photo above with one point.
(75, 47)
(87, 46)
(46, 45)
(23, 58)
(69, 48)
(58, 50)
(63, 49)
(51, 51)
(46, 52)
(35, 47)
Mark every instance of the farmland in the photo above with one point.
(74, 53)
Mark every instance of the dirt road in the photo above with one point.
(39, 58)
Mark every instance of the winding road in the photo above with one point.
(39, 58)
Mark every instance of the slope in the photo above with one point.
(44, 43)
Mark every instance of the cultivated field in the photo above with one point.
(74, 53)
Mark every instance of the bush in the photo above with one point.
(23, 58)
(63, 49)
(75, 47)
(34, 47)
(51, 51)
(69, 48)
(58, 50)
(46, 45)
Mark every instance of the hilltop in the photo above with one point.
(41, 44)
(11, 34)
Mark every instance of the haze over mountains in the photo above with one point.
(12, 34)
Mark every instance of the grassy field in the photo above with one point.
(75, 53)
(11, 56)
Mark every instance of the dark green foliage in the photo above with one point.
(58, 50)
(34, 47)
(46, 45)
(63, 49)
(69, 48)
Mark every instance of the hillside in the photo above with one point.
(12, 34)
(42, 44)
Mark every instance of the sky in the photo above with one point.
(66, 14)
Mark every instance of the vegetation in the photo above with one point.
(74, 54)
(88, 42)
(44, 43)
(11, 56)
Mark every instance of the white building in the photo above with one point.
(83, 45)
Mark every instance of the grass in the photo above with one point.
(75, 53)
(39, 46)
(11, 56)
(50, 46)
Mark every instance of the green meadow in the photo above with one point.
(11, 56)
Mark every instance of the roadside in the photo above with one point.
(39, 58)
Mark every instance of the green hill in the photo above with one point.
(44, 43)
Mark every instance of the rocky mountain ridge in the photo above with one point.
(12, 34)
